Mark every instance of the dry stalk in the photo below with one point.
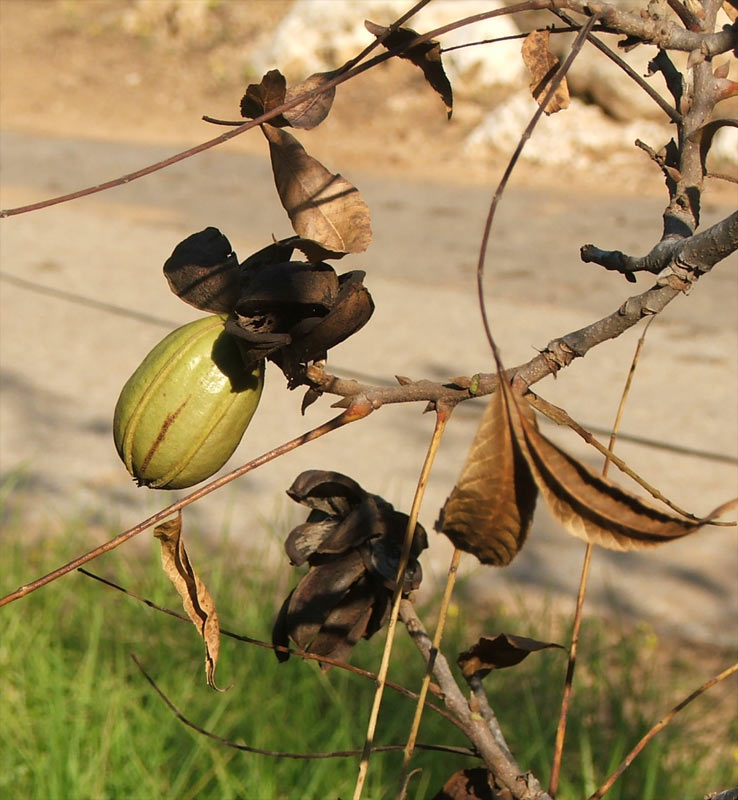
(553, 785)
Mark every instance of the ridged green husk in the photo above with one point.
(184, 410)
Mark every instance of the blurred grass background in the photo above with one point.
(80, 721)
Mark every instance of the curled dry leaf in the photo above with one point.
(272, 92)
(203, 271)
(504, 650)
(196, 599)
(588, 505)
(351, 542)
(321, 206)
(474, 783)
(542, 65)
(311, 112)
(490, 509)
(426, 55)
(262, 97)
(291, 312)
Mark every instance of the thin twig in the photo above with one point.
(669, 110)
(553, 785)
(691, 21)
(266, 117)
(363, 673)
(659, 726)
(437, 637)
(358, 411)
(572, 28)
(371, 384)
(555, 81)
(722, 176)
(442, 416)
(461, 751)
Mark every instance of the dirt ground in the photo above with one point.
(82, 101)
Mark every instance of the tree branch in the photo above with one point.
(661, 32)
(697, 254)
(671, 112)
(522, 785)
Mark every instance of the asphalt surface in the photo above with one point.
(83, 299)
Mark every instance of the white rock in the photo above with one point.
(577, 136)
(594, 76)
(318, 35)
(187, 20)
(724, 148)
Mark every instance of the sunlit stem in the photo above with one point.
(569, 680)
(437, 637)
(659, 726)
(442, 415)
(357, 411)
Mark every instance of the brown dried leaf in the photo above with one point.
(203, 271)
(542, 64)
(321, 206)
(318, 594)
(468, 784)
(426, 55)
(730, 7)
(505, 650)
(586, 504)
(311, 112)
(196, 599)
(263, 97)
(490, 509)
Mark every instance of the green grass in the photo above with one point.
(79, 721)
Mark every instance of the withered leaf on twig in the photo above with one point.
(352, 542)
(542, 64)
(203, 271)
(474, 783)
(321, 206)
(197, 602)
(504, 650)
(588, 505)
(262, 97)
(490, 509)
(311, 112)
(426, 55)
(291, 312)
(272, 92)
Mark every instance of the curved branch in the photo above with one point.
(661, 32)
(303, 654)
(689, 259)
(388, 748)
(697, 254)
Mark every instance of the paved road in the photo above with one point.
(63, 363)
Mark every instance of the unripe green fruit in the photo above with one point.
(184, 410)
